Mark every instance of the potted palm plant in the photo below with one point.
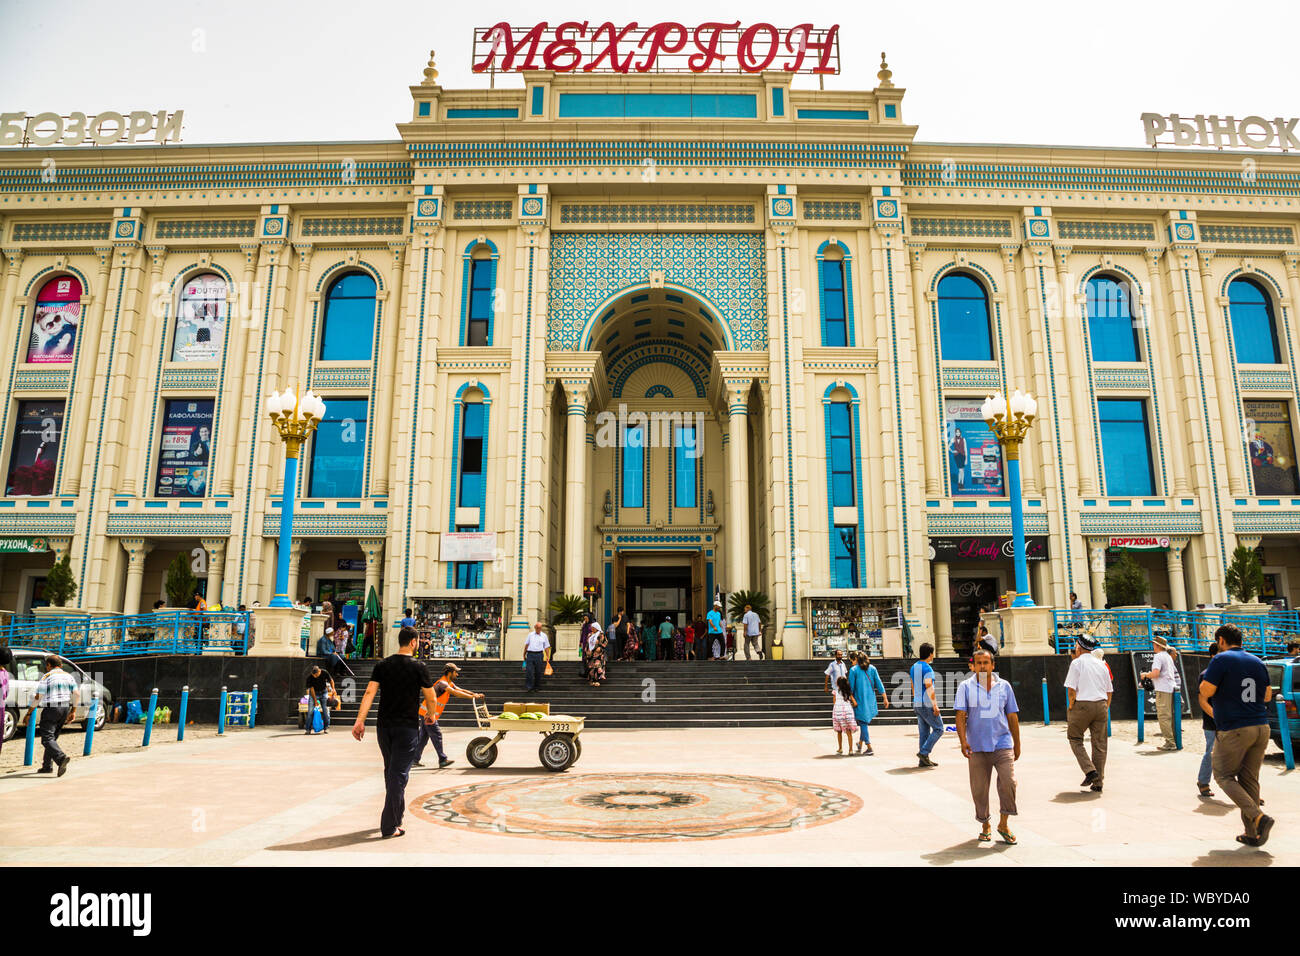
(567, 612)
(759, 602)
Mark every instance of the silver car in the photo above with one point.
(26, 672)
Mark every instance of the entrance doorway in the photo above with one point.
(656, 592)
(968, 596)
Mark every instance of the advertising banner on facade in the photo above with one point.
(1148, 543)
(201, 323)
(468, 546)
(35, 454)
(986, 549)
(974, 455)
(186, 449)
(23, 546)
(55, 322)
(1272, 448)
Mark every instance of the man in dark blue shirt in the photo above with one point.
(1233, 692)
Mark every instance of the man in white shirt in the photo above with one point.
(537, 651)
(1165, 678)
(753, 632)
(834, 671)
(56, 697)
(1089, 688)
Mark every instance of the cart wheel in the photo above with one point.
(481, 752)
(577, 749)
(557, 752)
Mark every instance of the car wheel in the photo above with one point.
(11, 722)
(557, 752)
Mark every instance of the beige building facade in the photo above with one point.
(667, 334)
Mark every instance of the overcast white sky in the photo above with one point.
(1040, 72)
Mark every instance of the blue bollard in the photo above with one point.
(148, 720)
(1142, 713)
(185, 703)
(90, 726)
(1107, 719)
(221, 714)
(252, 710)
(1178, 720)
(1284, 725)
(1047, 716)
(30, 752)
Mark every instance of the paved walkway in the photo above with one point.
(276, 797)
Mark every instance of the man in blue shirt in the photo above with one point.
(988, 724)
(925, 702)
(1234, 690)
(714, 621)
(408, 621)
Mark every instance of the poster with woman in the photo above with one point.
(36, 449)
(55, 321)
(186, 449)
(974, 455)
(201, 321)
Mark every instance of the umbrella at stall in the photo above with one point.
(371, 616)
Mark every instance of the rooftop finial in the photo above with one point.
(430, 72)
(886, 75)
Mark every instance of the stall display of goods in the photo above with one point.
(851, 625)
(459, 629)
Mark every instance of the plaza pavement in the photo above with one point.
(273, 796)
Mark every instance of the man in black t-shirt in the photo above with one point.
(401, 681)
(318, 684)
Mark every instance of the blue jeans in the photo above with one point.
(929, 726)
(536, 666)
(864, 731)
(1203, 777)
(397, 744)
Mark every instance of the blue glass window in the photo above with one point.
(338, 450)
(844, 556)
(348, 330)
(469, 574)
(840, 455)
(1112, 332)
(964, 334)
(634, 466)
(1126, 447)
(834, 312)
(686, 452)
(1254, 333)
(471, 490)
(479, 327)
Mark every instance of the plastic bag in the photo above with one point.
(134, 712)
(317, 721)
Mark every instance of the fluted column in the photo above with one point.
(930, 425)
(738, 486)
(77, 421)
(1174, 564)
(136, 550)
(1097, 571)
(243, 316)
(1230, 413)
(1075, 345)
(575, 541)
(1166, 362)
(373, 549)
(215, 554)
(942, 609)
(1023, 334)
(387, 372)
(295, 559)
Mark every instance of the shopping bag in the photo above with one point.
(548, 672)
(317, 722)
(134, 712)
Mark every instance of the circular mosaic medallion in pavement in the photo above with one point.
(637, 807)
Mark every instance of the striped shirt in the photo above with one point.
(55, 689)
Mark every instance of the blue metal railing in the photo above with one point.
(165, 632)
(1265, 635)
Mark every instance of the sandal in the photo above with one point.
(986, 836)
(1007, 836)
(1247, 840)
(396, 833)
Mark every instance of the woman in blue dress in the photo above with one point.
(864, 681)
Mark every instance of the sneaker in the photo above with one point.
(46, 770)
(63, 765)
(1168, 745)
(927, 762)
(1090, 779)
(1096, 788)
(445, 763)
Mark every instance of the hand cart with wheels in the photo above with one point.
(561, 746)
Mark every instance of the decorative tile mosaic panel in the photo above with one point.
(188, 378)
(60, 231)
(205, 228)
(972, 378)
(832, 209)
(1272, 381)
(158, 525)
(1265, 235)
(481, 209)
(657, 213)
(1128, 231)
(633, 153)
(1254, 522)
(354, 226)
(216, 176)
(1122, 178)
(978, 228)
(1121, 378)
(1145, 522)
(329, 525)
(982, 522)
(37, 524)
(340, 378)
(728, 271)
(42, 380)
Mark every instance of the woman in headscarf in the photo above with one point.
(595, 647)
(632, 642)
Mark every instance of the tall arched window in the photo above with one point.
(471, 481)
(834, 298)
(1112, 333)
(842, 485)
(1254, 332)
(348, 330)
(480, 282)
(55, 321)
(964, 331)
(200, 320)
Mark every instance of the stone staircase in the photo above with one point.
(666, 694)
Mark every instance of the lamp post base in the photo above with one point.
(1026, 631)
(277, 632)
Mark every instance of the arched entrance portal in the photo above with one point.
(660, 504)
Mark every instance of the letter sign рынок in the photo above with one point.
(583, 47)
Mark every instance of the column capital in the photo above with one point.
(373, 549)
(214, 546)
(136, 548)
(581, 376)
(13, 259)
(1249, 540)
(60, 546)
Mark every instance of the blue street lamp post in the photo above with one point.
(1011, 431)
(295, 419)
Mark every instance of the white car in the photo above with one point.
(26, 672)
